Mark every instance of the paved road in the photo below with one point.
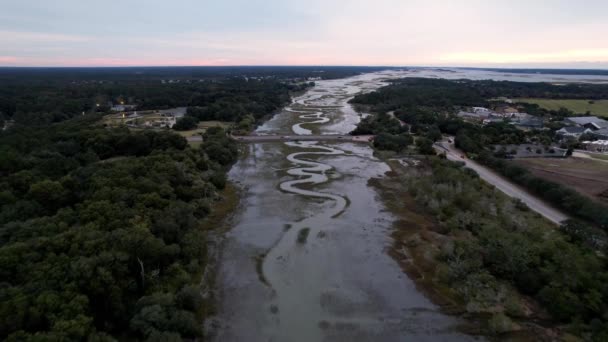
(502, 184)
(275, 138)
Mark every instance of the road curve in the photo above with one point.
(502, 184)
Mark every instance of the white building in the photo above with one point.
(122, 108)
(596, 146)
(480, 110)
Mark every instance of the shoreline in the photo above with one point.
(216, 225)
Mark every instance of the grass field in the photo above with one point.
(202, 127)
(598, 107)
(587, 176)
(599, 156)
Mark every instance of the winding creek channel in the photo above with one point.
(306, 257)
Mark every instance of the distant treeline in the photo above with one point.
(133, 74)
(592, 72)
(36, 96)
(443, 95)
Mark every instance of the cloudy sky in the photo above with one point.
(526, 33)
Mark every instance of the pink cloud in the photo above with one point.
(8, 60)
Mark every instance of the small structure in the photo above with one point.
(493, 119)
(123, 108)
(596, 146)
(527, 122)
(475, 114)
(481, 110)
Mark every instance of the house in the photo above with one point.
(533, 123)
(596, 146)
(526, 121)
(572, 131)
(591, 122)
(478, 116)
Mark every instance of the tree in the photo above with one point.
(425, 146)
(185, 123)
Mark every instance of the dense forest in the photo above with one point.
(242, 102)
(496, 244)
(225, 100)
(101, 232)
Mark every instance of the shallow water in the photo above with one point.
(306, 258)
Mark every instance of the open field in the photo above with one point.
(143, 119)
(599, 156)
(586, 176)
(202, 127)
(598, 107)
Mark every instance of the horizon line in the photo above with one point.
(296, 65)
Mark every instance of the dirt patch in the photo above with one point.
(587, 176)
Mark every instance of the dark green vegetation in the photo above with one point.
(390, 134)
(428, 105)
(500, 250)
(421, 101)
(548, 71)
(44, 95)
(244, 102)
(101, 231)
(303, 235)
(496, 245)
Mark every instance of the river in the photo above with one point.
(306, 258)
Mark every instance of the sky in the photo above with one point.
(490, 33)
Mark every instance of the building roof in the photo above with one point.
(529, 122)
(601, 132)
(583, 120)
(599, 124)
(573, 130)
(476, 114)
